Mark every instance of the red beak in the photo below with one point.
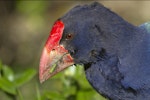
(55, 57)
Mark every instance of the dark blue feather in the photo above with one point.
(115, 53)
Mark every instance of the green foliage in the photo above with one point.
(147, 26)
(24, 77)
(72, 86)
(68, 85)
(10, 82)
(7, 86)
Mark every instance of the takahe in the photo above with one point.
(115, 53)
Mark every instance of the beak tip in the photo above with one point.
(47, 66)
(42, 67)
(43, 78)
(42, 81)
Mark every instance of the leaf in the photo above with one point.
(38, 92)
(8, 73)
(69, 91)
(7, 86)
(20, 94)
(84, 95)
(24, 77)
(89, 94)
(54, 96)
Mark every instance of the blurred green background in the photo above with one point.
(24, 28)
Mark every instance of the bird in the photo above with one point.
(115, 54)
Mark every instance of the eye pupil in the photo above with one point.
(69, 36)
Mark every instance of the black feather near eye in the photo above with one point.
(69, 36)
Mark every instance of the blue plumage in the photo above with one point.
(115, 53)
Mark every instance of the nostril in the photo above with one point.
(72, 52)
(53, 49)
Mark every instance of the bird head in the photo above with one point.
(76, 38)
(65, 47)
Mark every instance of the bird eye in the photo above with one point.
(69, 36)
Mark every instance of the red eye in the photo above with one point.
(69, 36)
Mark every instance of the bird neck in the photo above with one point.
(122, 39)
